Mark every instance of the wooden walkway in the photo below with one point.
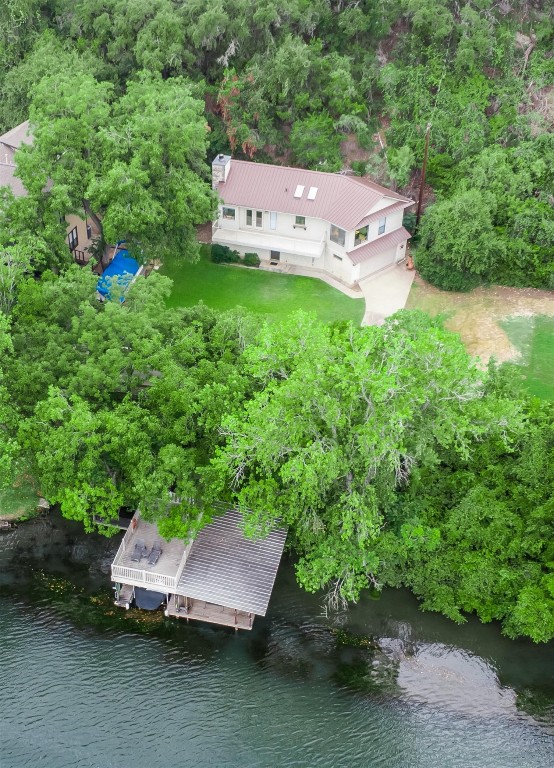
(200, 610)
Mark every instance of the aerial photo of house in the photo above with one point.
(346, 226)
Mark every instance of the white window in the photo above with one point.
(248, 218)
(382, 225)
(300, 221)
(228, 213)
(259, 219)
(273, 220)
(337, 235)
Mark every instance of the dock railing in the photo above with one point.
(137, 576)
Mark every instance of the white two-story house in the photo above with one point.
(346, 226)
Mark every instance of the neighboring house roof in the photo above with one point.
(383, 243)
(8, 179)
(17, 136)
(340, 200)
(9, 142)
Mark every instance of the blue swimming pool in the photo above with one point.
(121, 269)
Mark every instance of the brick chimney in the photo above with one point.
(220, 169)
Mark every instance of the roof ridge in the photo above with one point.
(358, 181)
(282, 167)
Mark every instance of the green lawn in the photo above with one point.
(534, 338)
(19, 500)
(268, 293)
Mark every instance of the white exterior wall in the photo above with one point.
(380, 261)
(290, 240)
(384, 202)
(338, 264)
(377, 262)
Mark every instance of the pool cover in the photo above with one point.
(122, 269)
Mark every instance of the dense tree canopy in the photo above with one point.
(341, 423)
(133, 163)
(497, 223)
(392, 458)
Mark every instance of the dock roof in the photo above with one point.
(226, 568)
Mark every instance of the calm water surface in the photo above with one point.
(382, 685)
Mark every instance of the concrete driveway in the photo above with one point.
(386, 293)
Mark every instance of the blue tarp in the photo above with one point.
(147, 600)
(122, 269)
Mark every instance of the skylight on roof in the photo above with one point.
(299, 191)
(312, 193)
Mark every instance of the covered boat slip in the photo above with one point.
(221, 577)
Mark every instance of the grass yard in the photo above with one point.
(19, 500)
(513, 325)
(270, 294)
(534, 339)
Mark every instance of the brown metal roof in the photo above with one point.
(384, 243)
(226, 568)
(394, 208)
(340, 200)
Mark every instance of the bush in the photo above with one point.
(222, 254)
(251, 260)
(444, 275)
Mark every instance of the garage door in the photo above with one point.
(377, 262)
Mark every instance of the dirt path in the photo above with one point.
(477, 315)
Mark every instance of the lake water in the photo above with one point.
(84, 685)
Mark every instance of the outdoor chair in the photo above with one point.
(139, 551)
(154, 555)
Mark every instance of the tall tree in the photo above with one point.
(342, 420)
(134, 164)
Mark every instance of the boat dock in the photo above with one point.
(220, 577)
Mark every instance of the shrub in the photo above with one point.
(222, 254)
(443, 274)
(251, 260)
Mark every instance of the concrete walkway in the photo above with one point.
(386, 293)
(354, 292)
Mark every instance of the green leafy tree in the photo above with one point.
(342, 421)
(474, 535)
(458, 245)
(134, 164)
(9, 448)
(316, 143)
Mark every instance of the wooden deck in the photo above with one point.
(200, 610)
(164, 575)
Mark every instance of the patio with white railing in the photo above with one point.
(164, 575)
